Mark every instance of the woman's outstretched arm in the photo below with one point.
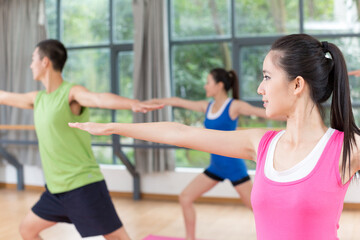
(238, 144)
(243, 108)
(355, 73)
(199, 106)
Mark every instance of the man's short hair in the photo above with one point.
(55, 51)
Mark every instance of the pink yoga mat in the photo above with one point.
(153, 237)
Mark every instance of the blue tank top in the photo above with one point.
(233, 169)
(223, 121)
(220, 121)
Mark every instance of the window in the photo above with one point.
(237, 34)
(266, 17)
(123, 23)
(98, 35)
(233, 34)
(125, 65)
(331, 17)
(200, 19)
(85, 22)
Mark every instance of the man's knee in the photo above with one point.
(32, 225)
(26, 231)
(119, 234)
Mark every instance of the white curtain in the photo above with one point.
(151, 76)
(22, 26)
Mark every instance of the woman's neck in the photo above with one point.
(304, 124)
(220, 98)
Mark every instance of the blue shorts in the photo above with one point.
(222, 168)
(89, 208)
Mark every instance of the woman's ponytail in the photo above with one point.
(341, 115)
(234, 84)
(228, 78)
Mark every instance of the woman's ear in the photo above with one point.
(221, 85)
(299, 85)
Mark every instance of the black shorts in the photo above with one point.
(89, 208)
(220, 179)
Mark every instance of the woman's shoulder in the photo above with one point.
(258, 135)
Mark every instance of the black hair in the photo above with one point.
(228, 78)
(302, 55)
(55, 51)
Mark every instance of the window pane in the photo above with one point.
(126, 68)
(85, 22)
(91, 69)
(195, 19)
(129, 152)
(251, 64)
(352, 57)
(266, 17)
(123, 29)
(50, 11)
(191, 158)
(356, 112)
(333, 16)
(103, 154)
(191, 65)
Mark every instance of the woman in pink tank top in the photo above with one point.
(303, 172)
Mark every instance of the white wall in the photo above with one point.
(169, 183)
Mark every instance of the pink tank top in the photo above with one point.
(308, 208)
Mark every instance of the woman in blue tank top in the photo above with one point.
(221, 114)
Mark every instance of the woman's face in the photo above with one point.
(212, 87)
(275, 88)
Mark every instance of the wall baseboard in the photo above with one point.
(175, 198)
(165, 197)
(27, 187)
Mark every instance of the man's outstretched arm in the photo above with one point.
(19, 100)
(109, 100)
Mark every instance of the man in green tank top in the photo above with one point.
(75, 188)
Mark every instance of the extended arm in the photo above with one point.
(199, 106)
(19, 100)
(244, 108)
(355, 73)
(108, 100)
(239, 144)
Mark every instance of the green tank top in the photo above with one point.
(67, 159)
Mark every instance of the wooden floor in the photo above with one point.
(141, 218)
